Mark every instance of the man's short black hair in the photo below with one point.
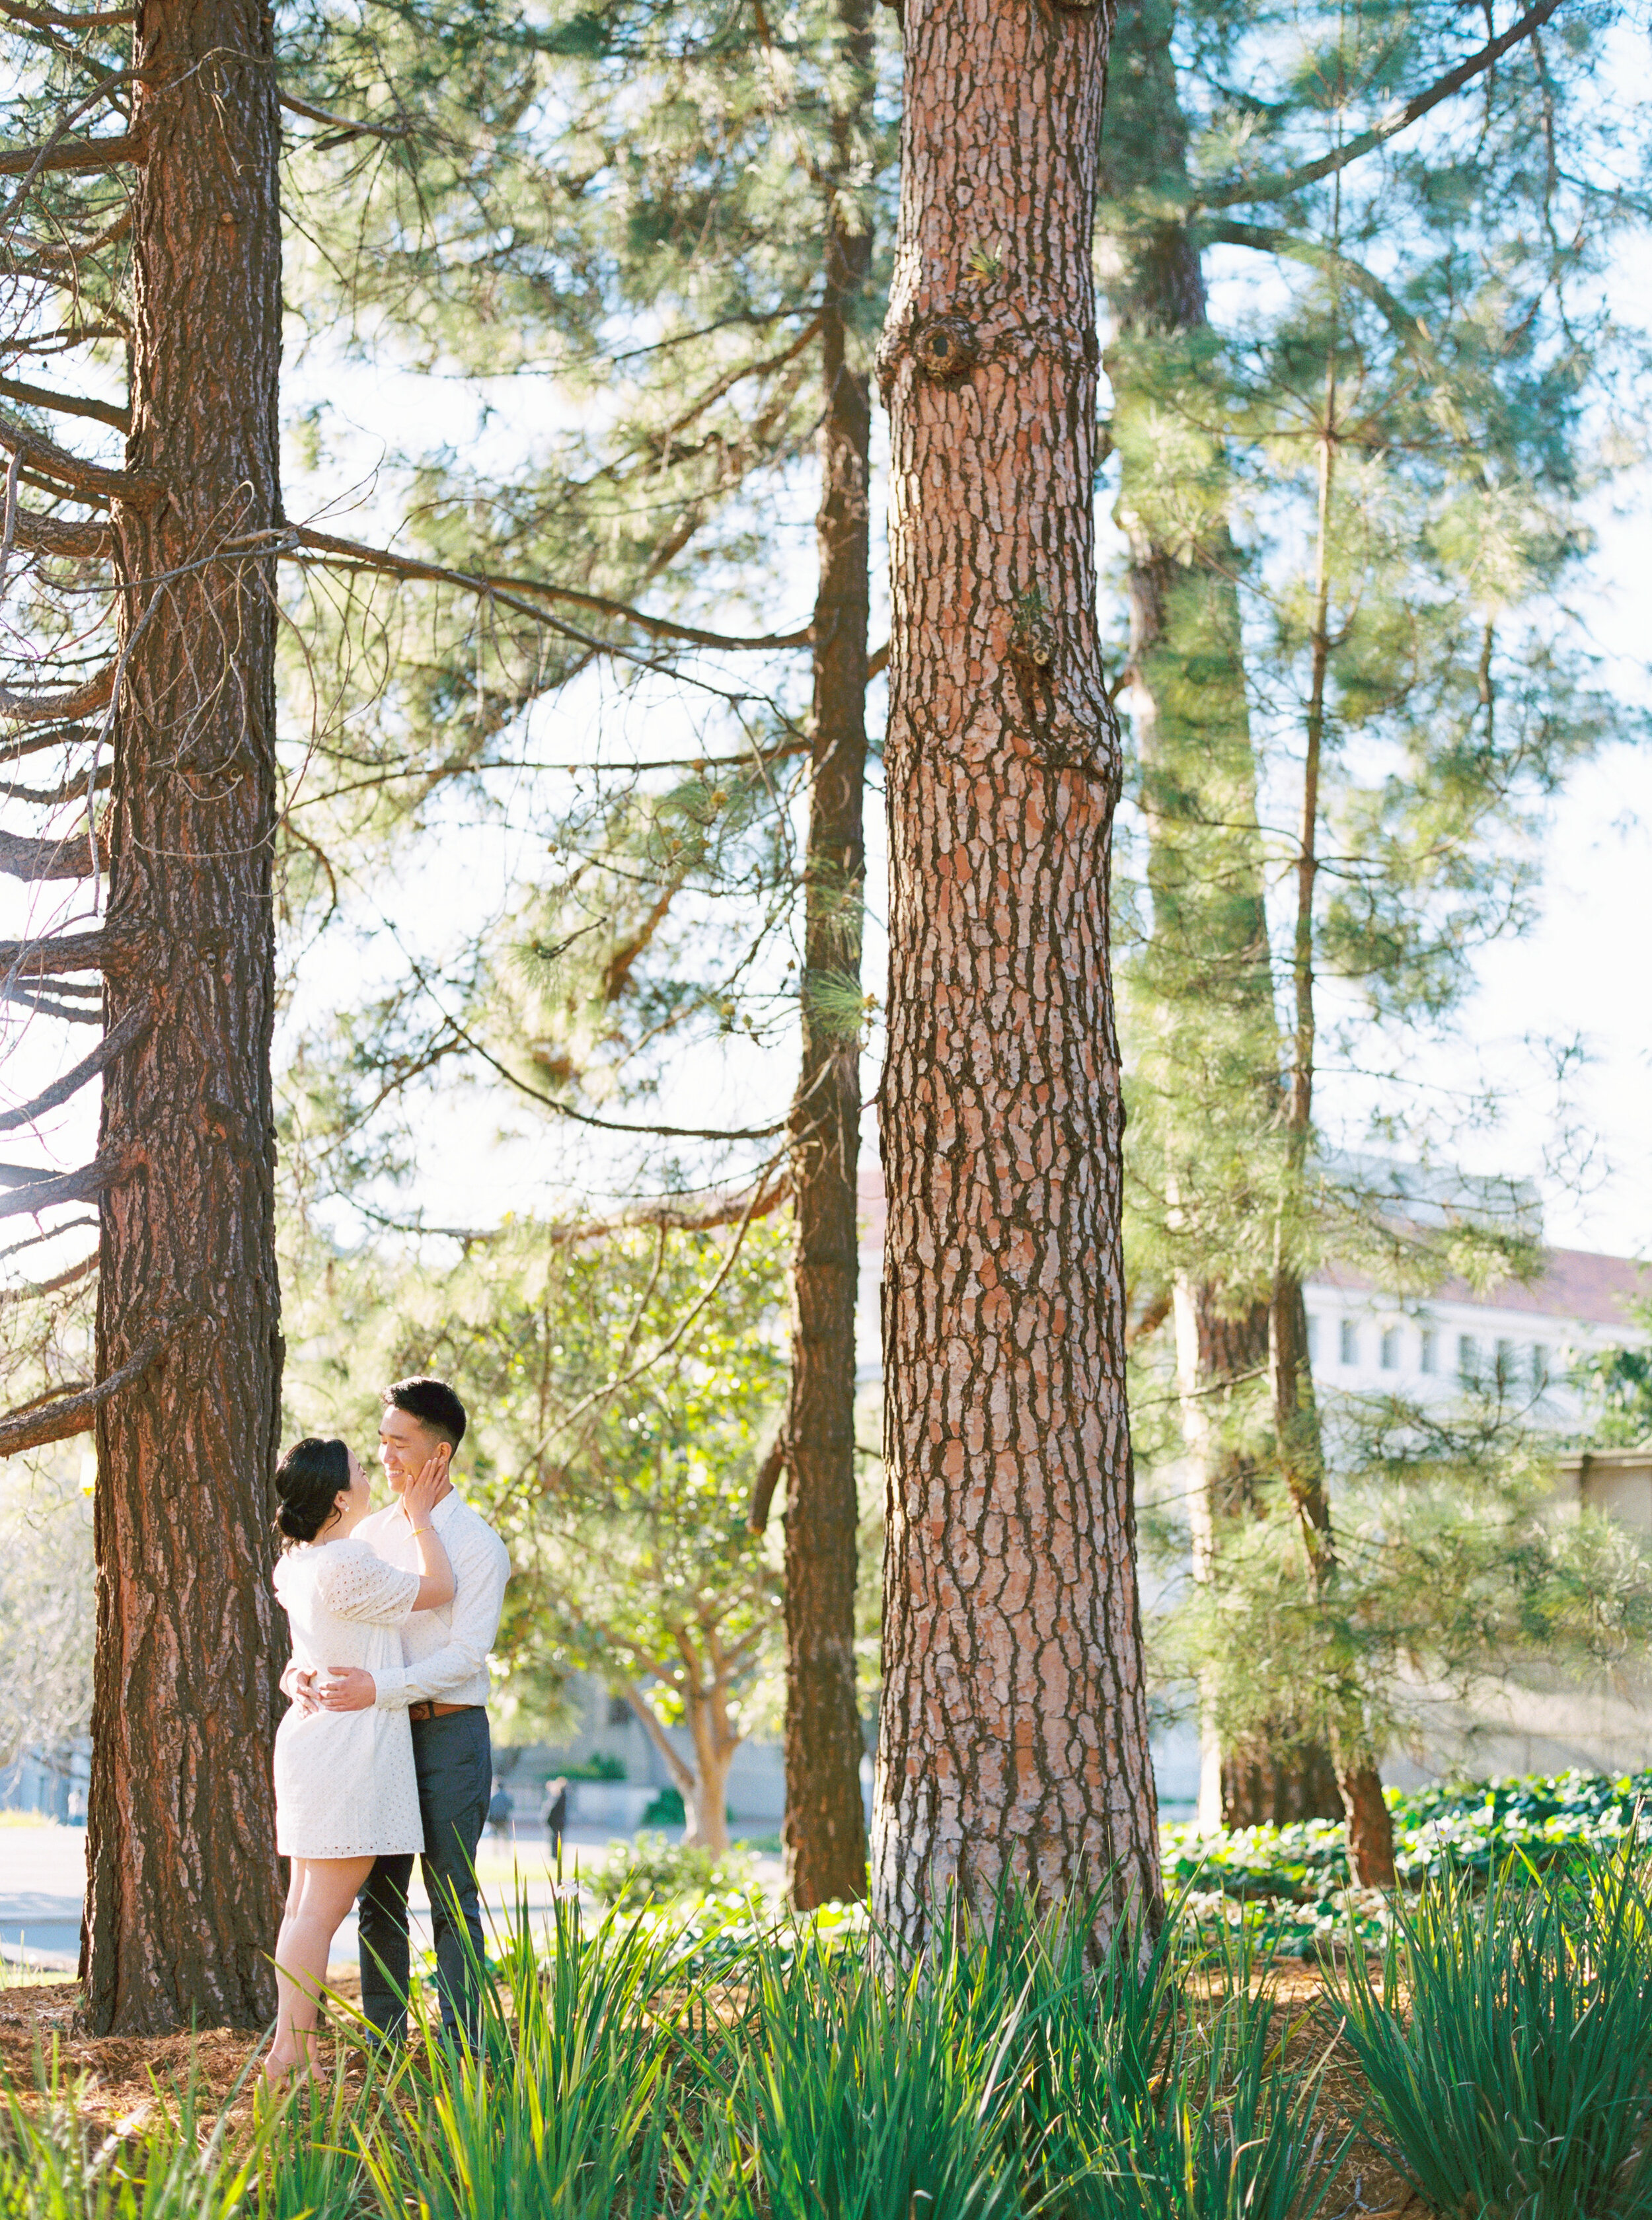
(433, 1402)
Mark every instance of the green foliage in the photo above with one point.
(650, 1870)
(1506, 2048)
(601, 1767)
(1289, 1886)
(1617, 1384)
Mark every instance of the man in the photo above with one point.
(443, 1685)
(554, 1816)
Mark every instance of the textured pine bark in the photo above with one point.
(826, 1825)
(1012, 1737)
(1204, 990)
(182, 1902)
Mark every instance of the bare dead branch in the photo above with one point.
(69, 537)
(54, 1285)
(46, 19)
(74, 1413)
(81, 155)
(34, 1190)
(51, 797)
(48, 957)
(65, 404)
(65, 858)
(52, 1234)
(37, 708)
(135, 1023)
(141, 489)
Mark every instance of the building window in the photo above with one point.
(1539, 1366)
(1390, 1348)
(1504, 1363)
(1430, 1341)
(619, 1711)
(1468, 1359)
(1351, 1341)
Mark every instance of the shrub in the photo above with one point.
(1509, 2046)
(651, 1870)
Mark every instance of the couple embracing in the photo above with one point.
(384, 1754)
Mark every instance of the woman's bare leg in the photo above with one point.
(321, 1895)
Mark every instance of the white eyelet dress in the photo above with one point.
(345, 1786)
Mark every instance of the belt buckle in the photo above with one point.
(422, 1711)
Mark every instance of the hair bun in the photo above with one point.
(308, 1481)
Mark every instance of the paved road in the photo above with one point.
(43, 1870)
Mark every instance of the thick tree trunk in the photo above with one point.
(1014, 1726)
(184, 1895)
(1203, 991)
(826, 1825)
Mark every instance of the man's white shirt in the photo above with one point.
(444, 1651)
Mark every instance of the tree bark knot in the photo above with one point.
(947, 348)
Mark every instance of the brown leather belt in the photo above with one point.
(423, 1711)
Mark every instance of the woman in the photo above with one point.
(345, 1790)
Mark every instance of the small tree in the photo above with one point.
(622, 1390)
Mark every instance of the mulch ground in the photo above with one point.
(122, 2075)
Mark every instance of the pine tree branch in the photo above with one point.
(54, 1286)
(33, 1190)
(135, 1023)
(65, 404)
(73, 538)
(1273, 239)
(80, 155)
(1280, 185)
(75, 1413)
(66, 857)
(48, 959)
(41, 709)
(140, 489)
(344, 126)
(51, 797)
(49, 19)
(773, 1189)
(362, 557)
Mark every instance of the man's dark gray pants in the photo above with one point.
(454, 1759)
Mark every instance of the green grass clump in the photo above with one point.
(1508, 2044)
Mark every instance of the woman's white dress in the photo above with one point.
(345, 1784)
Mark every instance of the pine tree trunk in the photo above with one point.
(1297, 1428)
(1204, 988)
(826, 1825)
(1298, 1435)
(1014, 1726)
(184, 1891)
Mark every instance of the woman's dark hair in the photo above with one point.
(433, 1403)
(309, 1480)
